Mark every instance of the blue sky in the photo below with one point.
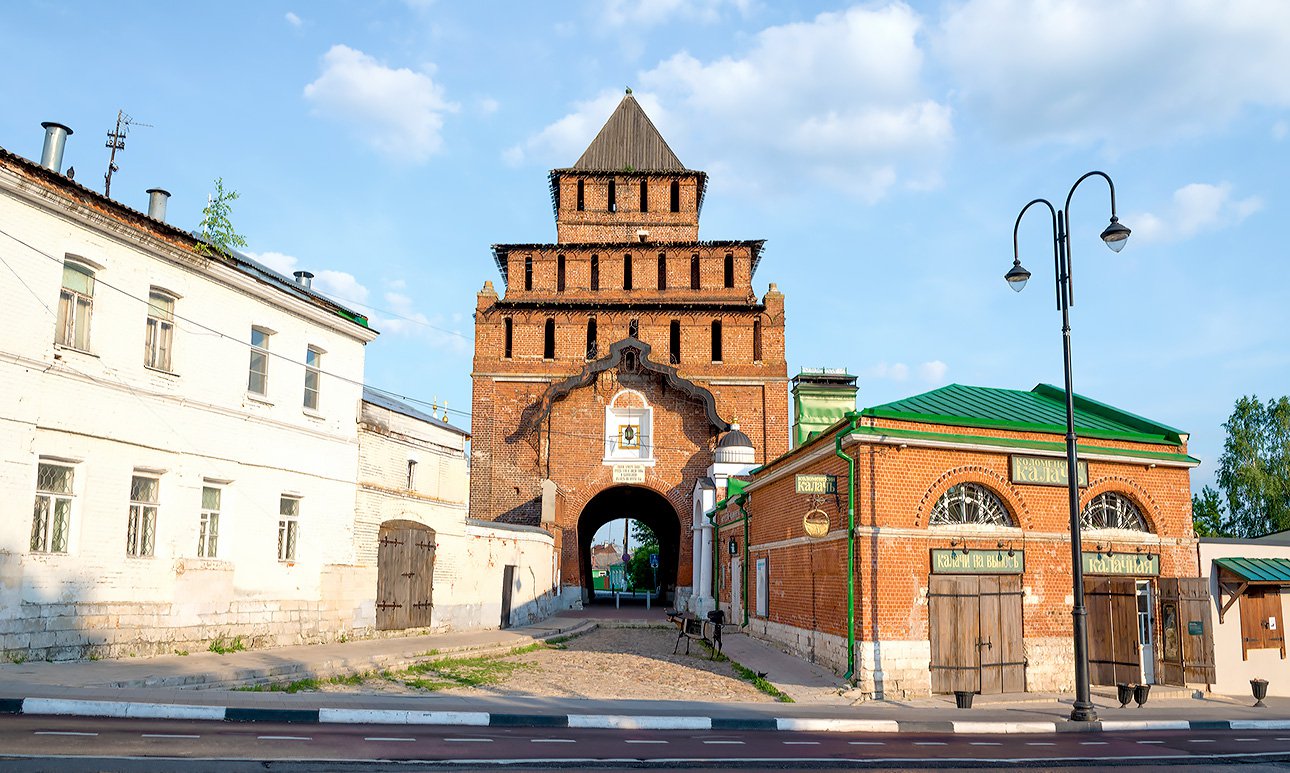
(882, 149)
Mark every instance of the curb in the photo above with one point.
(90, 708)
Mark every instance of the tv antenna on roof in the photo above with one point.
(115, 142)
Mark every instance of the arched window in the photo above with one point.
(634, 329)
(548, 341)
(1112, 511)
(969, 503)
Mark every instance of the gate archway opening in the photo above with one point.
(640, 504)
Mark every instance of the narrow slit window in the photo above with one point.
(730, 270)
(716, 340)
(662, 271)
(548, 340)
(644, 195)
(559, 274)
(595, 272)
(627, 271)
(528, 272)
(593, 349)
(507, 337)
(613, 196)
(757, 340)
(676, 196)
(582, 202)
(674, 342)
(694, 271)
(634, 328)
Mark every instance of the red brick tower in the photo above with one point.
(618, 355)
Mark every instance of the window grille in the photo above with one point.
(969, 503)
(75, 306)
(288, 527)
(160, 331)
(51, 519)
(1112, 511)
(313, 377)
(208, 528)
(258, 378)
(141, 532)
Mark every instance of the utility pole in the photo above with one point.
(115, 142)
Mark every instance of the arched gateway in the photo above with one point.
(619, 356)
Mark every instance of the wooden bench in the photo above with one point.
(691, 628)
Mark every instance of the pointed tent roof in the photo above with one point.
(629, 141)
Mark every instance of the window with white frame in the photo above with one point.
(51, 520)
(160, 330)
(1110, 510)
(313, 376)
(258, 379)
(141, 532)
(288, 527)
(208, 527)
(75, 306)
(628, 428)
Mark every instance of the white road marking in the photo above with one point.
(1150, 742)
(378, 738)
(1039, 743)
(1200, 740)
(560, 740)
(1093, 743)
(168, 735)
(1283, 739)
(637, 740)
(801, 743)
(929, 743)
(867, 743)
(284, 737)
(61, 732)
(1245, 739)
(468, 740)
(733, 743)
(985, 743)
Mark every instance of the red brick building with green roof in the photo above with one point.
(962, 575)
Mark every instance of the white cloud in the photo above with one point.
(1279, 130)
(340, 285)
(399, 112)
(890, 372)
(292, 19)
(838, 99)
(1119, 71)
(933, 371)
(1194, 208)
(651, 13)
(487, 105)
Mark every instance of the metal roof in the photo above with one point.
(398, 406)
(628, 142)
(1042, 409)
(1258, 569)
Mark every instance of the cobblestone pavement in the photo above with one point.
(607, 663)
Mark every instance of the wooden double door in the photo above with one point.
(976, 633)
(404, 575)
(1145, 630)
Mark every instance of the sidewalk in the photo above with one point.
(198, 686)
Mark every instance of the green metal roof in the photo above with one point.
(1042, 409)
(1258, 569)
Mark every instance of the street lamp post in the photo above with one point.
(1114, 235)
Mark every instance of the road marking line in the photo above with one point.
(469, 740)
(1200, 740)
(284, 738)
(168, 735)
(737, 743)
(1093, 743)
(61, 732)
(378, 738)
(929, 743)
(636, 740)
(867, 743)
(1150, 742)
(1283, 739)
(985, 743)
(801, 743)
(1245, 739)
(1039, 743)
(560, 740)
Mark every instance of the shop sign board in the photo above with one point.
(817, 484)
(1045, 471)
(1121, 563)
(978, 562)
(1195, 628)
(629, 473)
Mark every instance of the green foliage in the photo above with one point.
(749, 676)
(222, 646)
(218, 234)
(639, 574)
(475, 671)
(1254, 468)
(1207, 515)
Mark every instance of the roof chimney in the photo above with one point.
(51, 157)
(304, 279)
(157, 199)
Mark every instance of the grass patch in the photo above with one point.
(222, 646)
(310, 684)
(749, 676)
(478, 671)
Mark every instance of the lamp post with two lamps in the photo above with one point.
(1115, 236)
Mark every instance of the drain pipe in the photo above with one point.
(851, 417)
(740, 501)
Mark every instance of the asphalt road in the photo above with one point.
(38, 743)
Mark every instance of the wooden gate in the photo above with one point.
(976, 633)
(1186, 635)
(508, 586)
(404, 575)
(1112, 604)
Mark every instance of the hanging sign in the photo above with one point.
(817, 484)
(1121, 563)
(816, 523)
(733, 547)
(978, 562)
(1045, 471)
(1195, 628)
(629, 473)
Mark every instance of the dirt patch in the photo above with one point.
(607, 663)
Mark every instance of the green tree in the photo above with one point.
(1254, 468)
(218, 234)
(1207, 516)
(639, 573)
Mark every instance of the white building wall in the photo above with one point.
(106, 414)
(1231, 672)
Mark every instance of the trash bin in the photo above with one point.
(963, 698)
(1260, 689)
